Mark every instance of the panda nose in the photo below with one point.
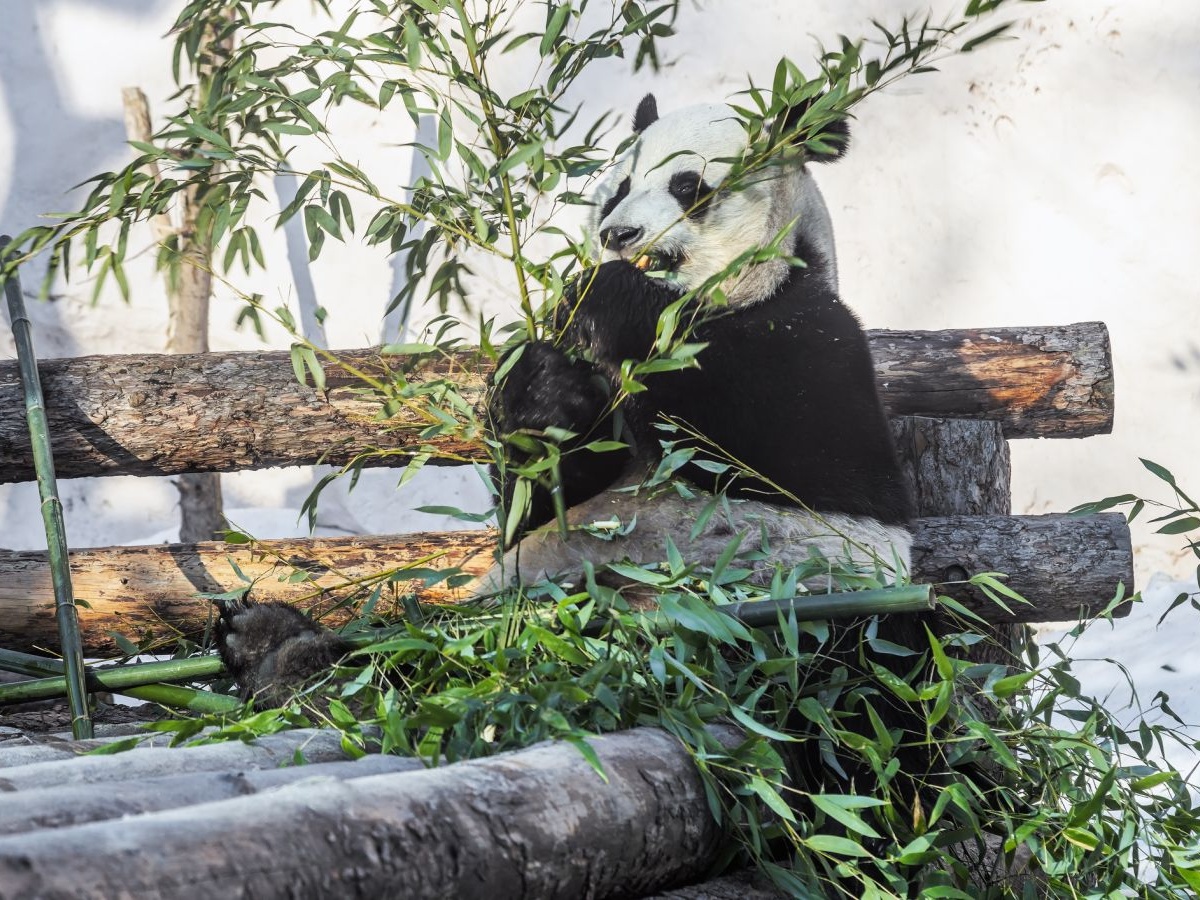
(619, 237)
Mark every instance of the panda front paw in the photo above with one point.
(545, 388)
(272, 649)
(613, 311)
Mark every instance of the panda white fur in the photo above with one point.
(785, 386)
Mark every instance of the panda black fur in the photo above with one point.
(785, 386)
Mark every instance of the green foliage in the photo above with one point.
(1024, 761)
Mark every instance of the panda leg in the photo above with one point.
(792, 535)
(273, 649)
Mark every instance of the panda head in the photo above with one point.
(668, 204)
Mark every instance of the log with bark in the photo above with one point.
(220, 412)
(961, 467)
(30, 771)
(1065, 565)
(77, 804)
(538, 823)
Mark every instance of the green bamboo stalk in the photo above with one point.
(907, 598)
(172, 695)
(118, 679)
(177, 696)
(29, 664)
(52, 517)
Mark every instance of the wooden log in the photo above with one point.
(78, 804)
(221, 412)
(961, 467)
(537, 823)
(267, 752)
(1064, 564)
(150, 592)
(955, 467)
(1067, 566)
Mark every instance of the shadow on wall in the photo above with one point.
(53, 148)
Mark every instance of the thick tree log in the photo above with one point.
(221, 412)
(78, 804)
(537, 823)
(1068, 567)
(150, 592)
(1065, 565)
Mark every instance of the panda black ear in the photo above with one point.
(835, 134)
(646, 115)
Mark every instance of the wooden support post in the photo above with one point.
(959, 467)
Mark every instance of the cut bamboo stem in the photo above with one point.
(806, 608)
(118, 679)
(52, 516)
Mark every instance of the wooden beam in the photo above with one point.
(222, 412)
(1065, 565)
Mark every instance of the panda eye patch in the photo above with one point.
(691, 192)
(611, 203)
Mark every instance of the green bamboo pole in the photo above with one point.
(29, 664)
(119, 679)
(52, 517)
(177, 696)
(173, 695)
(907, 598)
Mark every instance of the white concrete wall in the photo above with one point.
(1047, 179)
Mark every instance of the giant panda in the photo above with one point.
(784, 385)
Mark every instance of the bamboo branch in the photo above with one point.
(52, 517)
(117, 679)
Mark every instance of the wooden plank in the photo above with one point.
(222, 412)
(1064, 564)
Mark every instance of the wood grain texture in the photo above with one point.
(222, 412)
(1064, 564)
(955, 466)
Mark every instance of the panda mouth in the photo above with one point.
(658, 261)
